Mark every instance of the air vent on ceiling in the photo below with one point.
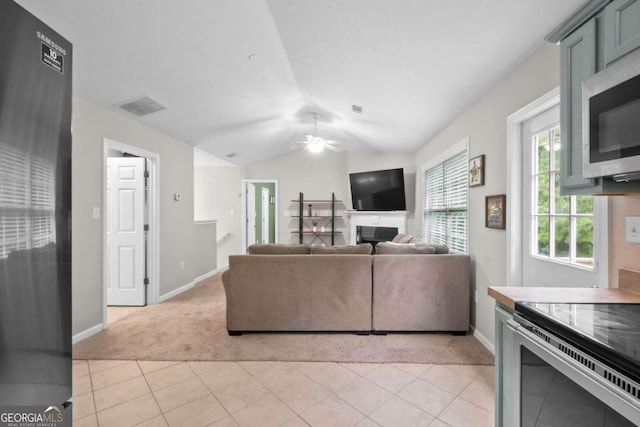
(141, 106)
(230, 155)
(356, 109)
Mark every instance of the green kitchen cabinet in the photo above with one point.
(506, 367)
(577, 63)
(590, 39)
(621, 29)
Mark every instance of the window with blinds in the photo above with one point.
(27, 205)
(445, 203)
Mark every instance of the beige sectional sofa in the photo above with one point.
(345, 289)
(298, 293)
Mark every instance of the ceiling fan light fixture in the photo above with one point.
(316, 144)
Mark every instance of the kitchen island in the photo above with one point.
(557, 356)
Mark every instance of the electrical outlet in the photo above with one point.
(96, 213)
(181, 265)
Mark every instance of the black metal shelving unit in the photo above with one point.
(304, 229)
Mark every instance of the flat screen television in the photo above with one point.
(381, 190)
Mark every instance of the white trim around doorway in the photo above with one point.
(153, 241)
(245, 182)
(514, 195)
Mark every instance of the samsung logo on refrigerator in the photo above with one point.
(51, 43)
(52, 54)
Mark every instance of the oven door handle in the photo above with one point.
(513, 325)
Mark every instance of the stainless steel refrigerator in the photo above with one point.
(35, 215)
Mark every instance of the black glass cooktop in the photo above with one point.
(608, 332)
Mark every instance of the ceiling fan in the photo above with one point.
(315, 143)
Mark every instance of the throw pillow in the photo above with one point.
(277, 249)
(402, 238)
(361, 249)
(389, 248)
(440, 249)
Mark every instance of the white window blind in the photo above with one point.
(27, 205)
(445, 196)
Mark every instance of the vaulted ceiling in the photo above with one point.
(242, 77)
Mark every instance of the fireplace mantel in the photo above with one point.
(397, 219)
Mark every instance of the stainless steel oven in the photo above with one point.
(561, 384)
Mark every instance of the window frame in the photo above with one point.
(554, 173)
(456, 149)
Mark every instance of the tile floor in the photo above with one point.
(144, 393)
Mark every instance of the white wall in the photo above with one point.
(315, 175)
(91, 124)
(217, 192)
(485, 125)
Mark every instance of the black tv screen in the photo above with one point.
(378, 190)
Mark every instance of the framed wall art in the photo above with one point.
(476, 171)
(496, 211)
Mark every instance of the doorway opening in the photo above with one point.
(130, 229)
(259, 212)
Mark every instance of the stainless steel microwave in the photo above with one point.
(611, 121)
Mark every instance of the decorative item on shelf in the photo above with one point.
(310, 211)
(476, 171)
(315, 226)
(495, 211)
(322, 229)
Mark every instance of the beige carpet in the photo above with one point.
(191, 326)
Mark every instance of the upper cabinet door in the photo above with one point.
(577, 63)
(621, 29)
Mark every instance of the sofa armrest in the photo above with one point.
(226, 280)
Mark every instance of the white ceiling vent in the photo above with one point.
(141, 106)
(356, 109)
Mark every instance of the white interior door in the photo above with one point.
(550, 254)
(125, 231)
(265, 215)
(251, 214)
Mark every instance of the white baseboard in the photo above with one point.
(87, 333)
(175, 292)
(484, 341)
(205, 276)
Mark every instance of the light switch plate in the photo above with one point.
(633, 229)
(96, 213)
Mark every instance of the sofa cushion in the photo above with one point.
(404, 248)
(361, 249)
(277, 249)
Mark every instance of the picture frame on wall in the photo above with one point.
(496, 211)
(476, 171)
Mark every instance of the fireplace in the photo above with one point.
(373, 235)
(396, 220)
